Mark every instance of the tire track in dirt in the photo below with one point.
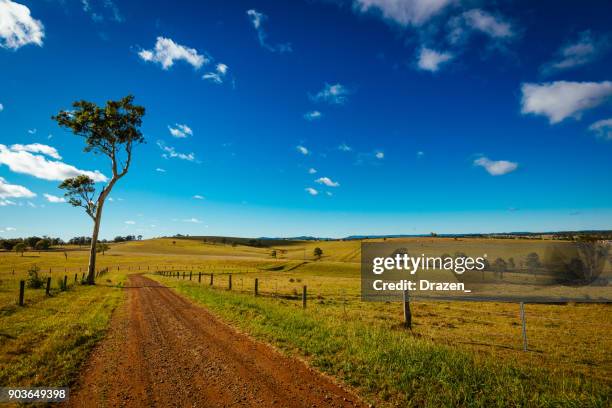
(164, 351)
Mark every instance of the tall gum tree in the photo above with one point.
(112, 131)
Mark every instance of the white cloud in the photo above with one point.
(496, 167)
(577, 53)
(192, 220)
(420, 154)
(602, 128)
(335, 94)
(313, 115)
(479, 20)
(111, 199)
(430, 60)
(170, 152)
(130, 222)
(327, 181)
(404, 12)
(493, 26)
(40, 167)
(166, 52)
(257, 19)
(17, 27)
(379, 155)
(312, 171)
(37, 148)
(345, 148)
(54, 199)
(180, 131)
(563, 99)
(160, 170)
(13, 191)
(1, 107)
(32, 131)
(217, 76)
(198, 197)
(311, 191)
(303, 150)
(4, 203)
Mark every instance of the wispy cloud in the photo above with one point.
(218, 75)
(336, 94)
(313, 115)
(586, 49)
(602, 128)
(160, 170)
(257, 20)
(166, 52)
(198, 197)
(54, 199)
(302, 150)
(327, 181)
(17, 27)
(130, 222)
(22, 161)
(477, 20)
(379, 155)
(404, 13)
(431, 60)
(563, 99)
(192, 220)
(496, 167)
(312, 171)
(170, 152)
(311, 191)
(180, 131)
(344, 147)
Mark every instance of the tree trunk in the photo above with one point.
(91, 270)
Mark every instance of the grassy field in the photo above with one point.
(391, 366)
(458, 352)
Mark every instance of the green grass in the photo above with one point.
(46, 342)
(387, 364)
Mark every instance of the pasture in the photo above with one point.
(463, 353)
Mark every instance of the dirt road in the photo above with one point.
(164, 351)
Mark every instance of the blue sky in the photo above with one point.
(417, 116)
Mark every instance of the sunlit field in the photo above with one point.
(568, 359)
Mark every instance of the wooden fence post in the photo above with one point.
(21, 292)
(65, 282)
(304, 297)
(199, 277)
(76, 275)
(230, 282)
(407, 311)
(190, 275)
(211, 279)
(48, 288)
(524, 324)
(256, 286)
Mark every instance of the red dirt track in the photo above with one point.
(164, 351)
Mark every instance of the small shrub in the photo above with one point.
(34, 281)
(291, 280)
